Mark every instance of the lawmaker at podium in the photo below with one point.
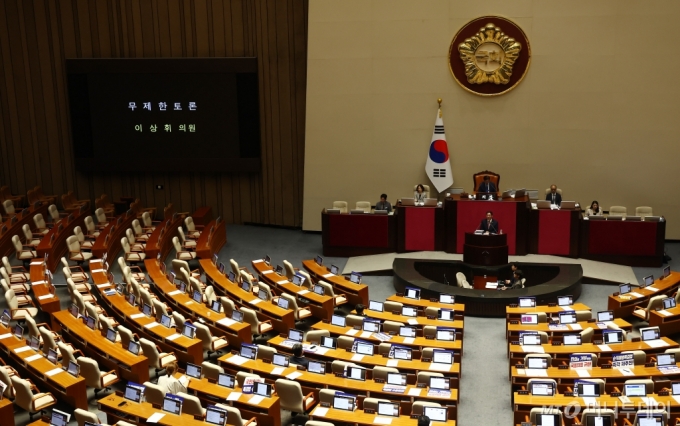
(489, 225)
(487, 186)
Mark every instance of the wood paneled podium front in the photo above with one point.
(485, 250)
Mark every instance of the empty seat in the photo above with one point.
(617, 211)
(644, 211)
(363, 205)
(26, 399)
(291, 396)
(341, 205)
(95, 378)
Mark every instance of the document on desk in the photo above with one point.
(151, 325)
(357, 357)
(174, 293)
(33, 358)
(303, 292)
(258, 261)
(255, 301)
(5, 336)
(320, 411)
(604, 348)
(234, 396)
(34, 283)
(365, 334)
(412, 321)
(155, 417)
(94, 271)
(582, 372)
(414, 391)
(392, 362)
(255, 399)
(652, 288)
(378, 420)
(590, 401)
(521, 372)
(103, 285)
(268, 272)
(226, 322)
(626, 371)
(649, 401)
(439, 367)
(351, 332)
(277, 371)
(533, 349)
(282, 282)
(664, 313)
(139, 315)
(536, 372)
(22, 349)
(294, 375)
(237, 359)
(46, 296)
(173, 336)
(321, 351)
(409, 340)
(576, 326)
(656, 343)
(39, 263)
(54, 371)
(634, 294)
(328, 275)
(567, 308)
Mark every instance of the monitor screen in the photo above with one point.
(317, 367)
(73, 369)
(567, 317)
(445, 314)
(572, 339)
(588, 389)
(146, 310)
(280, 360)
(131, 299)
(198, 297)
(542, 388)
(446, 334)
(279, 269)
(222, 268)
(355, 277)
(328, 342)
(52, 356)
(283, 303)
(295, 335)
(226, 380)
(5, 319)
(232, 276)
(648, 280)
(74, 310)
(530, 339)
(262, 294)
(189, 330)
(338, 320)
(319, 289)
(649, 333)
(356, 373)
(375, 306)
(35, 343)
(598, 421)
(398, 379)
(536, 362)
(412, 293)
(172, 405)
(372, 326)
(215, 416)
(182, 287)
(319, 260)
(237, 316)
(442, 383)
(401, 352)
(405, 331)
(133, 347)
(248, 351)
(603, 316)
(635, 389)
(408, 311)
(388, 409)
(529, 319)
(564, 300)
(364, 348)
(675, 387)
(442, 356)
(263, 389)
(133, 393)
(216, 306)
(666, 271)
(669, 303)
(90, 322)
(193, 370)
(548, 420)
(334, 270)
(58, 419)
(245, 285)
(267, 259)
(624, 288)
(111, 335)
(649, 419)
(612, 336)
(665, 359)
(436, 414)
(527, 302)
(342, 402)
(446, 298)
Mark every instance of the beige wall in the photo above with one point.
(598, 113)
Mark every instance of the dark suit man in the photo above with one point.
(489, 225)
(553, 196)
(487, 186)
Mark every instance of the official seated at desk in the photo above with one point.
(383, 204)
(594, 209)
(420, 194)
(169, 382)
(516, 283)
(489, 225)
(554, 195)
(487, 186)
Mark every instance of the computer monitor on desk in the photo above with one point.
(408, 202)
(567, 205)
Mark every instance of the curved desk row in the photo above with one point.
(118, 408)
(160, 240)
(356, 293)
(624, 305)
(12, 226)
(282, 319)
(212, 239)
(54, 242)
(556, 331)
(459, 308)
(322, 307)
(44, 292)
(108, 241)
(218, 323)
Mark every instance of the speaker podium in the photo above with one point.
(485, 250)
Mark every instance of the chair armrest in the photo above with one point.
(21, 268)
(252, 420)
(162, 355)
(310, 395)
(79, 351)
(616, 389)
(44, 324)
(628, 423)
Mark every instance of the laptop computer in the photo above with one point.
(568, 205)
(542, 204)
(430, 202)
(408, 202)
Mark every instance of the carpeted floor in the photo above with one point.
(485, 389)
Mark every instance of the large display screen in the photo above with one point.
(190, 114)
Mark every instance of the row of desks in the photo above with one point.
(12, 226)
(624, 305)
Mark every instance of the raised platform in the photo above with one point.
(545, 282)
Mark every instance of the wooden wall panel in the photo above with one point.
(35, 146)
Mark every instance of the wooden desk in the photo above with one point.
(554, 232)
(202, 215)
(186, 350)
(6, 246)
(418, 321)
(7, 412)
(111, 356)
(282, 319)
(322, 307)
(420, 228)
(218, 323)
(346, 235)
(356, 293)
(8, 341)
(557, 331)
(604, 352)
(267, 412)
(419, 342)
(329, 355)
(54, 242)
(512, 314)
(156, 244)
(44, 294)
(668, 324)
(138, 413)
(210, 243)
(623, 242)
(360, 417)
(459, 308)
(65, 387)
(624, 306)
(115, 233)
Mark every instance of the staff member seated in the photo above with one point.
(553, 196)
(419, 195)
(515, 283)
(383, 204)
(594, 209)
(489, 225)
(169, 383)
(487, 186)
(298, 358)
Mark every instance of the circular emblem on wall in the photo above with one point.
(489, 56)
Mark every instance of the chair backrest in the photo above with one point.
(354, 320)
(191, 404)
(39, 221)
(290, 395)
(423, 377)
(23, 395)
(426, 189)
(137, 227)
(342, 205)
(380, 372)
(89, 369)
(345, 342)
(478, 178)
(177, 266)
(130, 236)
(4, 378)
(66, 352)
(241, 376)
(558, 190)
(28, 235)
(393, 306)
(210, 370)
(292, 303)
(146, 219)
(649, 384)
(654, 303)
(150, 351)
(363, 205)
(327, 288)
(535, 412)
(175, 244)
(228, 306)
(209, 294)
(73, 244)
(180, 234)
(250, 317)
(392, 327)
(32, 327)
(643, 211)
(159, 308)
(233, 415)
(265, 287)
(101, 216)
(266, 352)
(617, 211)
(314, 336)
(8, 205)
(587, 335)
(89, 225)
(153, 394)
(126, 245)
(418, 406)
(290, 270)
(54, 213)
(583, 315)
(16, 242)
(372, 403)
(48, 339)
(189, 223)
(326, 395)
(125, 336)
(204, 335)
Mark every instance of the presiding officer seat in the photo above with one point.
(478, 179)
(426, 189)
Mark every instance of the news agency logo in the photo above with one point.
(629, 409)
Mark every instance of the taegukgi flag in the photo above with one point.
(438, 167)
